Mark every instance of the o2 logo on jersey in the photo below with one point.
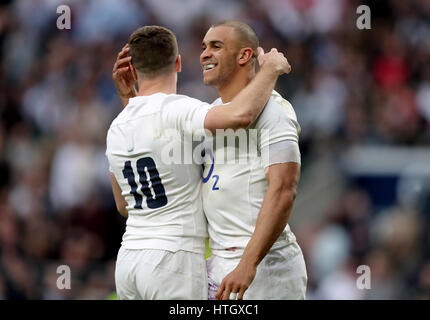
(215, 176)
(145, 164)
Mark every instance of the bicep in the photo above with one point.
(283, 177)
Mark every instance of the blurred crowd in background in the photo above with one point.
(349, 87)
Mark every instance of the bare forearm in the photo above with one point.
(120, 202)
(272, 219)
(282, 179)
(246, 106)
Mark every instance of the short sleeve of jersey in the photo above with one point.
(185, 114)
(278, 122)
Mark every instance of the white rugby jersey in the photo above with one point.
(164, 199)
(233, 193)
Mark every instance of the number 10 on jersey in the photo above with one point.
(145, 167)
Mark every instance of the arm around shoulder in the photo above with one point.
(245, 108)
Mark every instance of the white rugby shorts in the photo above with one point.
(151, 274)
(281, 275)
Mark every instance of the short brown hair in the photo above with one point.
(153, 49)
(246, 36)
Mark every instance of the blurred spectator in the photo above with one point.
(386, 282)
(423, 290)
(320, 105)
(399, 233)
(2, 289)
(341, 284)
(329, 252)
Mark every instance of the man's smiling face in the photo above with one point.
(218, 59)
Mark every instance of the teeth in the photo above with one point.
(209, 66)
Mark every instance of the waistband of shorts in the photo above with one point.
(237, 252)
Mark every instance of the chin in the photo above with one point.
(210, 81)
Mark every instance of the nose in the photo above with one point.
(206, 54)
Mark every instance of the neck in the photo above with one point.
(235, 84)
(160, 84)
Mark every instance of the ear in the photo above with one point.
(178, 67)
(245, 54)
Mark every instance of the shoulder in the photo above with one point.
(176, 105)
(278, 110)
(278, 120)
(132, 110)
(120, 118)
(279, 106)
(155, 103)
(183, 100)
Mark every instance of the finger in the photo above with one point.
(132, 73)
(120, 54)
(288, 69)
(234, 291)
(125, 60)
(119, 63)
(241, 293)
(226, 294)
(260, 57)
(122, 70)
(124, 51)
(125, 46)
(227, 291)
(121, 73)
(218, 294)
(260, 51)
(274, 50)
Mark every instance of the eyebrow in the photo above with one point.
(213, 42)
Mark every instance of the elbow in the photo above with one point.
(123, 212)
(122, 209)
(287, 195)
(283, 204)
(245, 120)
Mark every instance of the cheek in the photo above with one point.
(229, 66)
